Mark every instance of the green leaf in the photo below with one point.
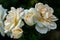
(34, 37)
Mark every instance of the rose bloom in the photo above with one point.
(3, 13)
(42, 16)
(45, 19)
(13, 23)
(28, 16)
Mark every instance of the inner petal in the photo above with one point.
(15, 21)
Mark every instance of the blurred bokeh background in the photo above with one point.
(31, 33)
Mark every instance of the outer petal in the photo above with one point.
(1, 28)
(39, 24)
(42, 30)
(8, 28)
(2, 17)
(19, 13)
(39, 6)
(52, 25)
(49, 8)
(54, 18)
(2, 12)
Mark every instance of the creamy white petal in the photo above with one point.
(39, 6)
(16, 33)
(1, 28)
(2, 12)
(8, 28)
(49, 8)
(29, 22)
(2, 17)
(52, 25)
(39, 23)
(19, 13)
(5, 13)
(46, 24)
(28, 17)
(54, 18)
(42, 30)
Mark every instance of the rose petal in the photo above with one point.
(17, 33)
(42, 30)
(52, 25)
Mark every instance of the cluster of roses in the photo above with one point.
(11, 23)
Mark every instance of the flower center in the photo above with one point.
(29, 15)
(44, 15)
(17, 30)
(15, 21)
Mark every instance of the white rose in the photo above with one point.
(13, 20)
(45, 19)
(2, 17)
(29, 16)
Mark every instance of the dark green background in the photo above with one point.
(29, 32)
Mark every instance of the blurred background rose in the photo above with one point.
(31, 33)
